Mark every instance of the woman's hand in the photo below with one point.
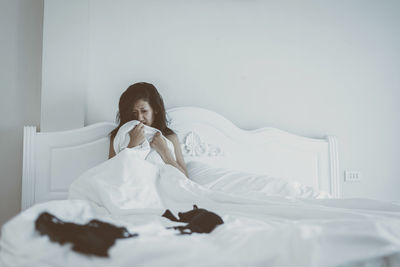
(137, 135)
(160, 145)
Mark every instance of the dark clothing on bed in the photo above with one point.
(93, 238)
(199, 220)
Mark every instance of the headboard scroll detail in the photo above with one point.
(194, 146)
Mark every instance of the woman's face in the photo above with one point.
(143, 112)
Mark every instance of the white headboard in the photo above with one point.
(52, 160)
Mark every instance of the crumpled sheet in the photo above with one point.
(259, 230)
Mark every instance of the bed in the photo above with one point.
(278, 193)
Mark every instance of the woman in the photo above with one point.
(142, 102)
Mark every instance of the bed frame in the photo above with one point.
(52, 160)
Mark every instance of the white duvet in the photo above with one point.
(268, 222)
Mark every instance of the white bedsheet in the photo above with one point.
(248, 184)
(259, 230)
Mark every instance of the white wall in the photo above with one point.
(65, 52)
(20, 76)
(311, 68)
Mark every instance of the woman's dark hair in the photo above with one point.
(146, 92)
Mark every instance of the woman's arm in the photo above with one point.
(178, 153)
(136, 138)
(160, 145)
(111, 152)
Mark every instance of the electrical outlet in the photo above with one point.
(352, 176)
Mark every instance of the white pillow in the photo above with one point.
(248, 184)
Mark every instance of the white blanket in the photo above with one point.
(259, 230)
(144, 150)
